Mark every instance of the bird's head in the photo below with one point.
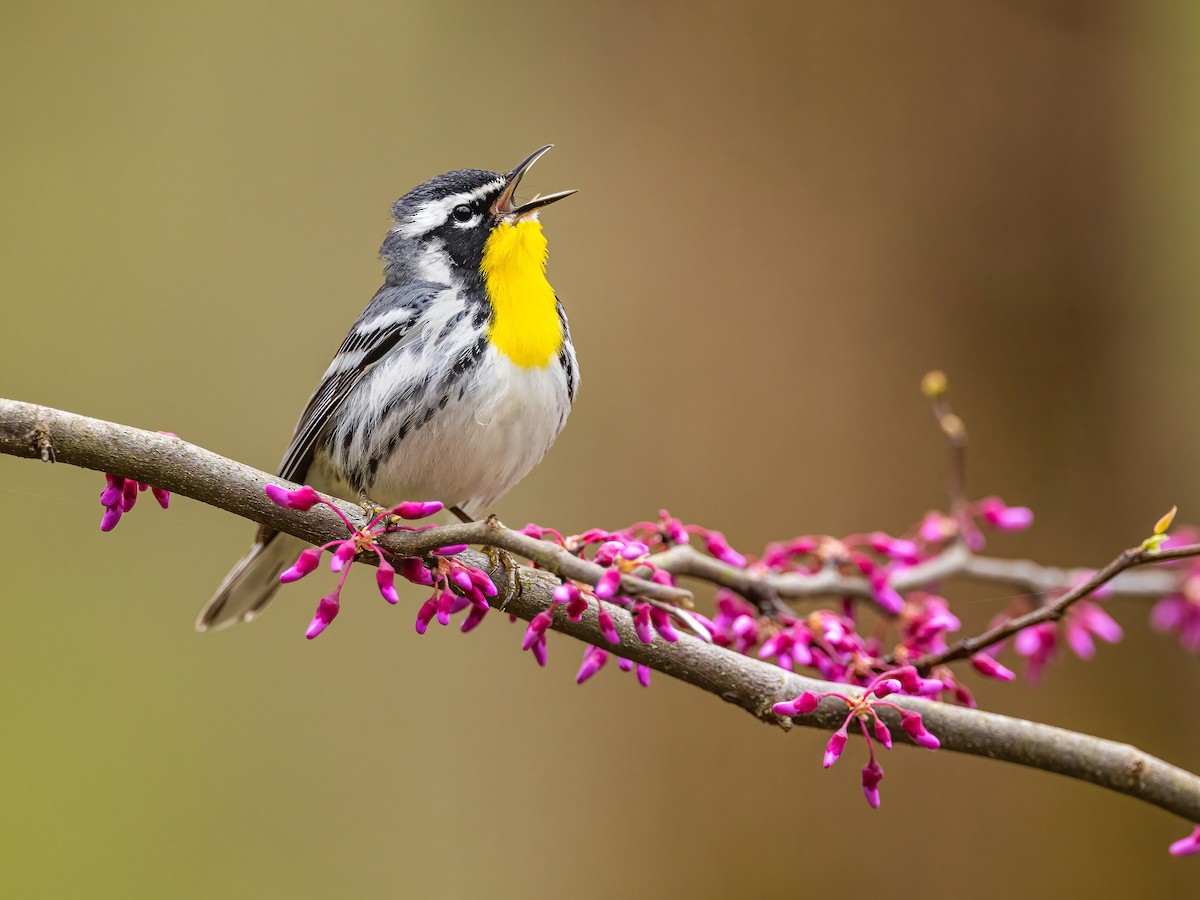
(455, 215)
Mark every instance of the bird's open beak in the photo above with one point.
(504, 205)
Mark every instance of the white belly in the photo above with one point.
(476, 448)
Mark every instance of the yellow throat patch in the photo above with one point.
(525, 325)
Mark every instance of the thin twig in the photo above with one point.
(956, 562)
(1050, 612)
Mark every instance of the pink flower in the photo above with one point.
(872, 774)
(1180, 612)
(802, 705)
(716, 544)
(1040, 644)
(987, 665)
(886, 596)
(735, 624)
(882, 734)
(385, 577)
(912, 682)
(608, 585)
(672, 528)
(1086, 619)
(414, 570)
(119, 496)
(1006, 518)
(301, 498)
(593, 661)
(911, 722)
(307, 562)
(535, 635)
(607, 627)
(1188, 845)
(837, 743)
(641, 623)
(417, 509)
(327, 611)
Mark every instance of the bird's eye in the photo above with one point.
(463, 213)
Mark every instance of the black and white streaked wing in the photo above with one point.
(385, 323)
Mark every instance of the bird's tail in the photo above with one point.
(249, 586)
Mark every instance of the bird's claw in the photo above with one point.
(512, 579)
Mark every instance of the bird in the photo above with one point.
(451, 385)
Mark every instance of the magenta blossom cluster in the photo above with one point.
(863, 710)
(120, 494)
(1083, 623)
(618, 554)
(623, 553)
(473, 586)
(833, 643)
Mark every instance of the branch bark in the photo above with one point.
(37, 432)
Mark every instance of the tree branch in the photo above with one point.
(37, 432)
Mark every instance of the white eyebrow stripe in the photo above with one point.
(434, 212)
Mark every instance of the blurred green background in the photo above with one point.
(787, 214)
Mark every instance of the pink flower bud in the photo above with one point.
(425, 614)
(882, 734)
(343, 555)
(987, 665)
(672, 528)
(533, 531)
(593, 661)
(1188, 845)
(885, 687)
(111, 495)
(450, 550)
(416, 509)
(129, 492)
(327, 611)
(111, 517)
(1006, 518)
(641, 623)
(608, 628)
(802, 705)
(886, 596)
(473, 618)
(912, 683)
(539, 651)
(163, 497)
(911, 723)
(719, 547)
(306, 562)
(576, 607)
(634, 550)
(566, 592)
(302, 498)
(482, 582)
(445, 607)
(462, 579)
(606, 587)
(414, 570)
(643, 675)
(537, 628)
(872, 774)
(833, 749)
(661, 620)
(385, 577)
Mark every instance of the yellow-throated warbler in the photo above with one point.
(452, 384)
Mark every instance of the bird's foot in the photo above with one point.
(373, 510)
(512, 577)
